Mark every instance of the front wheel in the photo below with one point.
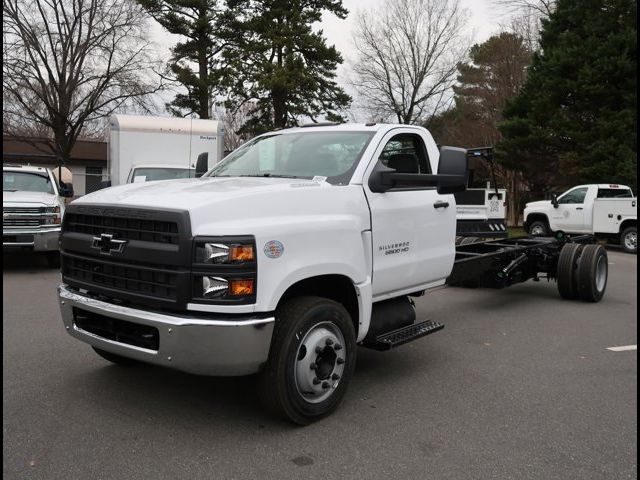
(539, 228)
(311, 360)
(629, 240)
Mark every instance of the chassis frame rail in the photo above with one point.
(504, 262)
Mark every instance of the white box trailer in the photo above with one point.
(137, 141)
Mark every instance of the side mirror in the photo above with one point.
(453, 170)
(554, 201)
(202, 164)
(451, 178)
(65, 190)
(105, 184)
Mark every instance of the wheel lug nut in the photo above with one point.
(316, 381)
(325, 385)
(340, 361)
(313, 366)
(337, 347)
(335, 376)
(329, 341)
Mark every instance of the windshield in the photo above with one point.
(26, 182)
(333, 155)
(149, 174)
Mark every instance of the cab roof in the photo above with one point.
(24, 168)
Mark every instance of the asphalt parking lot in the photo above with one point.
(519, 385)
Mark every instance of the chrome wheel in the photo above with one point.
(601, 273)
(631, 241)
(538, 230)
(320, 362)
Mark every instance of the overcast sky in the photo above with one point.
(484, 20)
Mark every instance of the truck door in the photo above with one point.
(570, 214)
(413, 229)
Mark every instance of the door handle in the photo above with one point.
(441, 205)
(579, 208)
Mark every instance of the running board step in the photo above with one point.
(403, 335)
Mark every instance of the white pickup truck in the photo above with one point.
(608, 211)
(297, 247)
(32, 210)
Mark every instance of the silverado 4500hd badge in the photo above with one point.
(393, 248)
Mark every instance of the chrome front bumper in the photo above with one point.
(223, 347)
(40, 240)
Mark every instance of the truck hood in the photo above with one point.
(232, 204)
(538, 204)
(30, 197)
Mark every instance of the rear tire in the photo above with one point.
(114, 358)
(539, 228)
(592, 273)
(629, 240)
(311, 360)
(567, 270)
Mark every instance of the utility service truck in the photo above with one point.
(481, 209)
(608, 211)
(32, 210)
(299, 246)
(145, 148)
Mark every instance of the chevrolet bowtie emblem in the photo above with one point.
(107, 244)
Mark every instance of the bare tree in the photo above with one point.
(234, 117)
(525, 18)
(68, 64)
(407, 56)
(542, 8)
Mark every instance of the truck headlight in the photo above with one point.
(215, 253)
(224, 270)
(53, 216)
(219, 287)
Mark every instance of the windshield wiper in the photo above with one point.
(8, 190)
(271, 175)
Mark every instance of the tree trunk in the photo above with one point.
(279, 97)
(203, 72)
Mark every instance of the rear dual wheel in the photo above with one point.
(582, 272)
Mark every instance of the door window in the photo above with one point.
(576, 195)
(406, 153)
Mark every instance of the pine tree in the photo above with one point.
(575, 118)
(275, 59)
(194, 62)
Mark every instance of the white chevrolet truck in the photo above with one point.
(32, 210)
(295, 249)
(608, 211)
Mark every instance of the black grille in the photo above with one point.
(133, 279)
(117, 330)
(159, 231)
(152, 268)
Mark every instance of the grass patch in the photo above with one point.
(516, 232)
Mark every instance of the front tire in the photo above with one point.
(629, 240)
(539, 228)
(311, 360)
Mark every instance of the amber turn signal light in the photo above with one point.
(241, 253)
(238, 288)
